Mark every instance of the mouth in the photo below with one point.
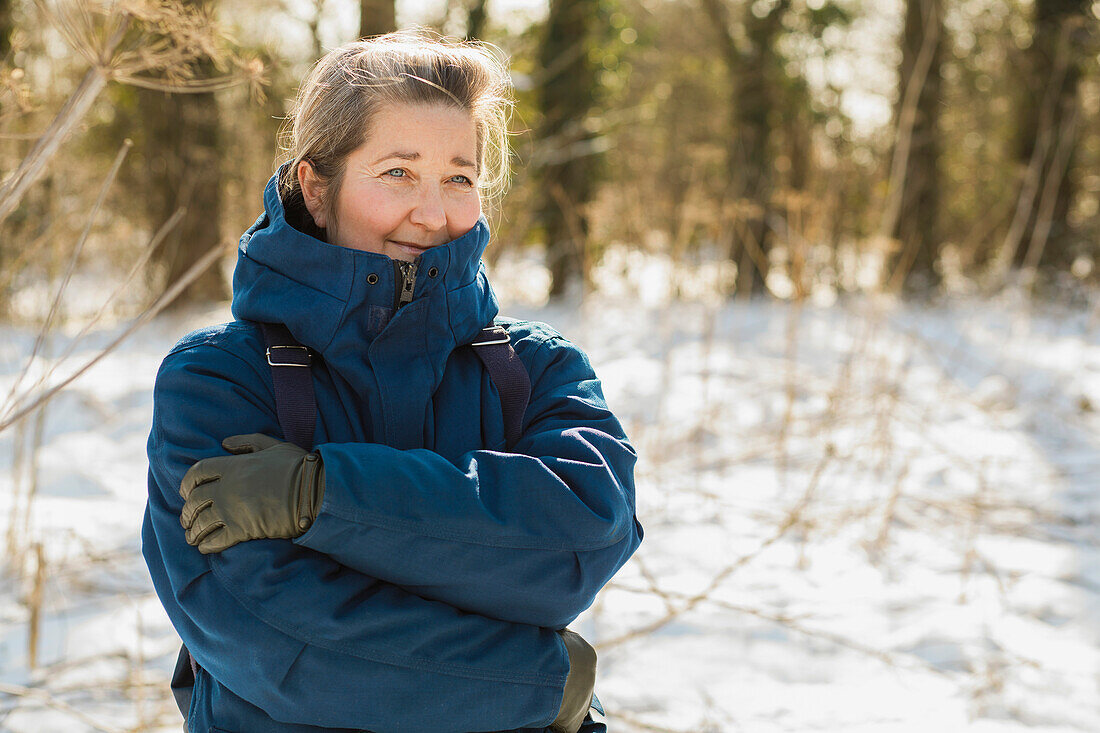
(411, 248)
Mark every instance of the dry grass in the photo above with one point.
(143, 43)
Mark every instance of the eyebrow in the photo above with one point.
(404, 155)
(398, 154)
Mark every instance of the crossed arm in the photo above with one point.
(529, 536)
(271, 620)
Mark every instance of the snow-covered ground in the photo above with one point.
(868, 516)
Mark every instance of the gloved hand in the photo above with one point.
(268, 488)
(579, 683)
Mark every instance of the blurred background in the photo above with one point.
(835, 261)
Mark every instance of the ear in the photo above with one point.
(312, 189)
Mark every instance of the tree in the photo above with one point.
(183, 169)
(5, 28)
(476, 19)
(1049, 123)
(751, 62)
(567, 148)
(376, 17)
(8, 248)
(912, 210)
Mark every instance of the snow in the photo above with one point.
(860, 516)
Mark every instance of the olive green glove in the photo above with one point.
(579, 683)
(268, 488)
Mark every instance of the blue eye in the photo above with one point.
(461, 179)
(396, 172)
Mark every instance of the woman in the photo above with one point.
(416, 569)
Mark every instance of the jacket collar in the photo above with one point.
(340, 301)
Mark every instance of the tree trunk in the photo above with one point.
(915, 189)
(476, 20)
(567, 153)
(183, 169)
(376, 17)
(5, 28)
(1048, 133)
(751, 62)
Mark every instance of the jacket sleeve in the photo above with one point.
(297, 634)
(529, 536)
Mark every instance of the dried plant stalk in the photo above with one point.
(160, 304)
(155, 44)
(32, 166)
(56, 303)
(137, 267)
(34, 603)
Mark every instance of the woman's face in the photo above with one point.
(411, 186)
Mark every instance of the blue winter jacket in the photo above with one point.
(426, 594)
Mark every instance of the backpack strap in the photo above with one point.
(297, 405)
(293, 380)
(297, 408)
(492, 345)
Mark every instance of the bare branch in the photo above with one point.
(50, 701)
(173, 39)
(45, 329)
(1029, 189)
(794, 517)
(137, 267)
(907, 117)
(1062, 153)
(160, 304)
(32, 166)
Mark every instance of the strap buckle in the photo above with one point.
(308, 358)
(495, 331)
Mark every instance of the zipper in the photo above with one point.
(404, 278)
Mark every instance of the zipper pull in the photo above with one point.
(408, 282)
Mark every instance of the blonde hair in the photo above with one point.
(337, 100)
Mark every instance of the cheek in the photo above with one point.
(463, 216)
(371, 212)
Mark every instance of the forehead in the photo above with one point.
(423, 129)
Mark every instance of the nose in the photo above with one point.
(428, 211)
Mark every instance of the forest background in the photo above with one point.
(804, 147)
(705, 159)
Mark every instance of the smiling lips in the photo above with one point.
(410, 247)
